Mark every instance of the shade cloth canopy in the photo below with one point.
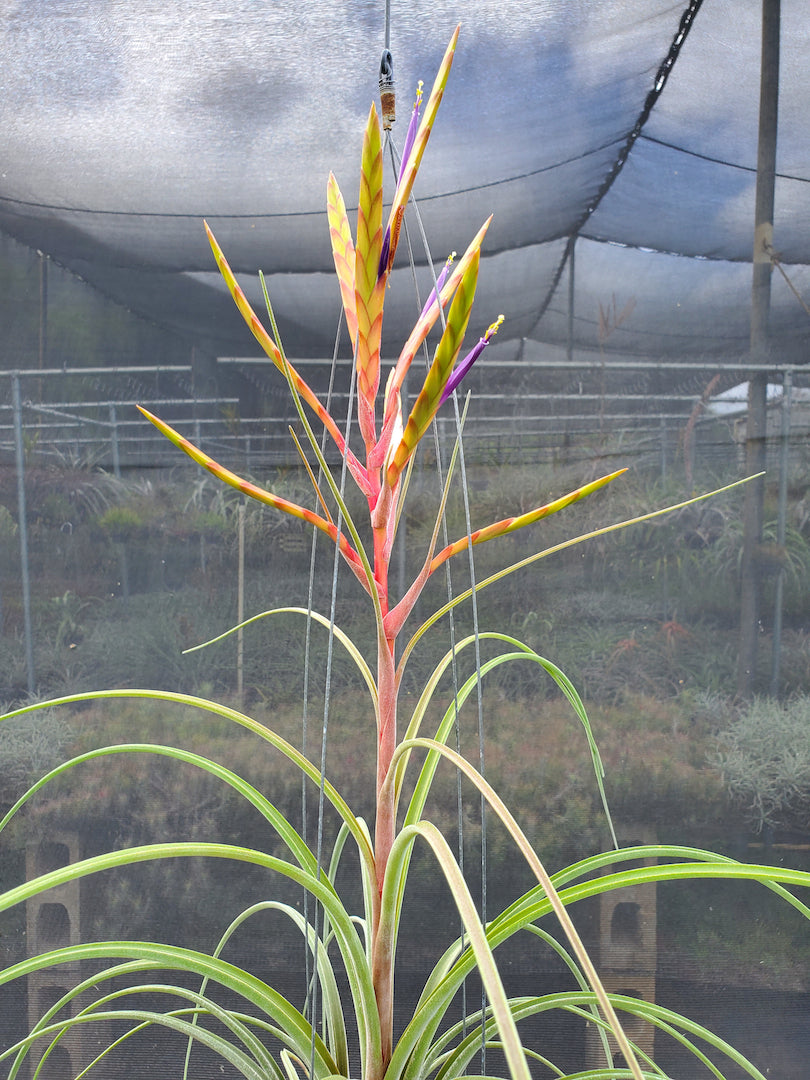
(623, 132)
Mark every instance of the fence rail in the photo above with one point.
(609, 424)
(599, 416)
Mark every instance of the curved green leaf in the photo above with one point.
(537, 868)
(350, 945)
(335, 1036)
(294, 1029)
(487, 968)
(267, 734)
(341, 636)
(223, 1046)
(285, 830)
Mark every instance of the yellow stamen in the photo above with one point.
(493, 328)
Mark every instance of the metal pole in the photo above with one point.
(663, 422)
(756, 431)
(25, 577)
(240, 611)
(569, 347)
(781, 522)
(116, 456)
(43, 312)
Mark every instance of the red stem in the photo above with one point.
(385, 823)
(384, 831)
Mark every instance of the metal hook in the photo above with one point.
(387, 92)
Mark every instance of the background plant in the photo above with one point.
(764, 756)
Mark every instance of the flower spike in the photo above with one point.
(410, 167)
(254, 492)
(512, 524)
(273, 351)
(440, 280)
(429, 399)
(412, 129)
(369, 288)
(342, 252)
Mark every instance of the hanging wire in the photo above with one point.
(388, 110)
(451, 617)
(305, 711)
(326, 705)
(474, 599)
(477, 641)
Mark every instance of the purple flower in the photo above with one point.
(462, 368)
(410, 135)
(410, 138)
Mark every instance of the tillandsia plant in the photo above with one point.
(265, 1035)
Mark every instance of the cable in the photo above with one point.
(327, 701)
(305, 711)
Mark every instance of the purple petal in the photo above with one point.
(410, 135)
(440, 280)
(461, 369)
(386, 248)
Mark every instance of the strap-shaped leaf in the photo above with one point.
(342, 252)
(272, 350)
(447, 351)
(266, 497)
(369, 290)
(411, 167)
(508, 525)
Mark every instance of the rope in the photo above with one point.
(388, 111)
(664, 71)
(776, 261)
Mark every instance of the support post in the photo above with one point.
(42, 357)
(240, 610)
(43, 314)
(756, 431)
(22, 528)
(116, 452)
(781, 528)
(569, 345)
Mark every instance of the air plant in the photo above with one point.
(269, 1037)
